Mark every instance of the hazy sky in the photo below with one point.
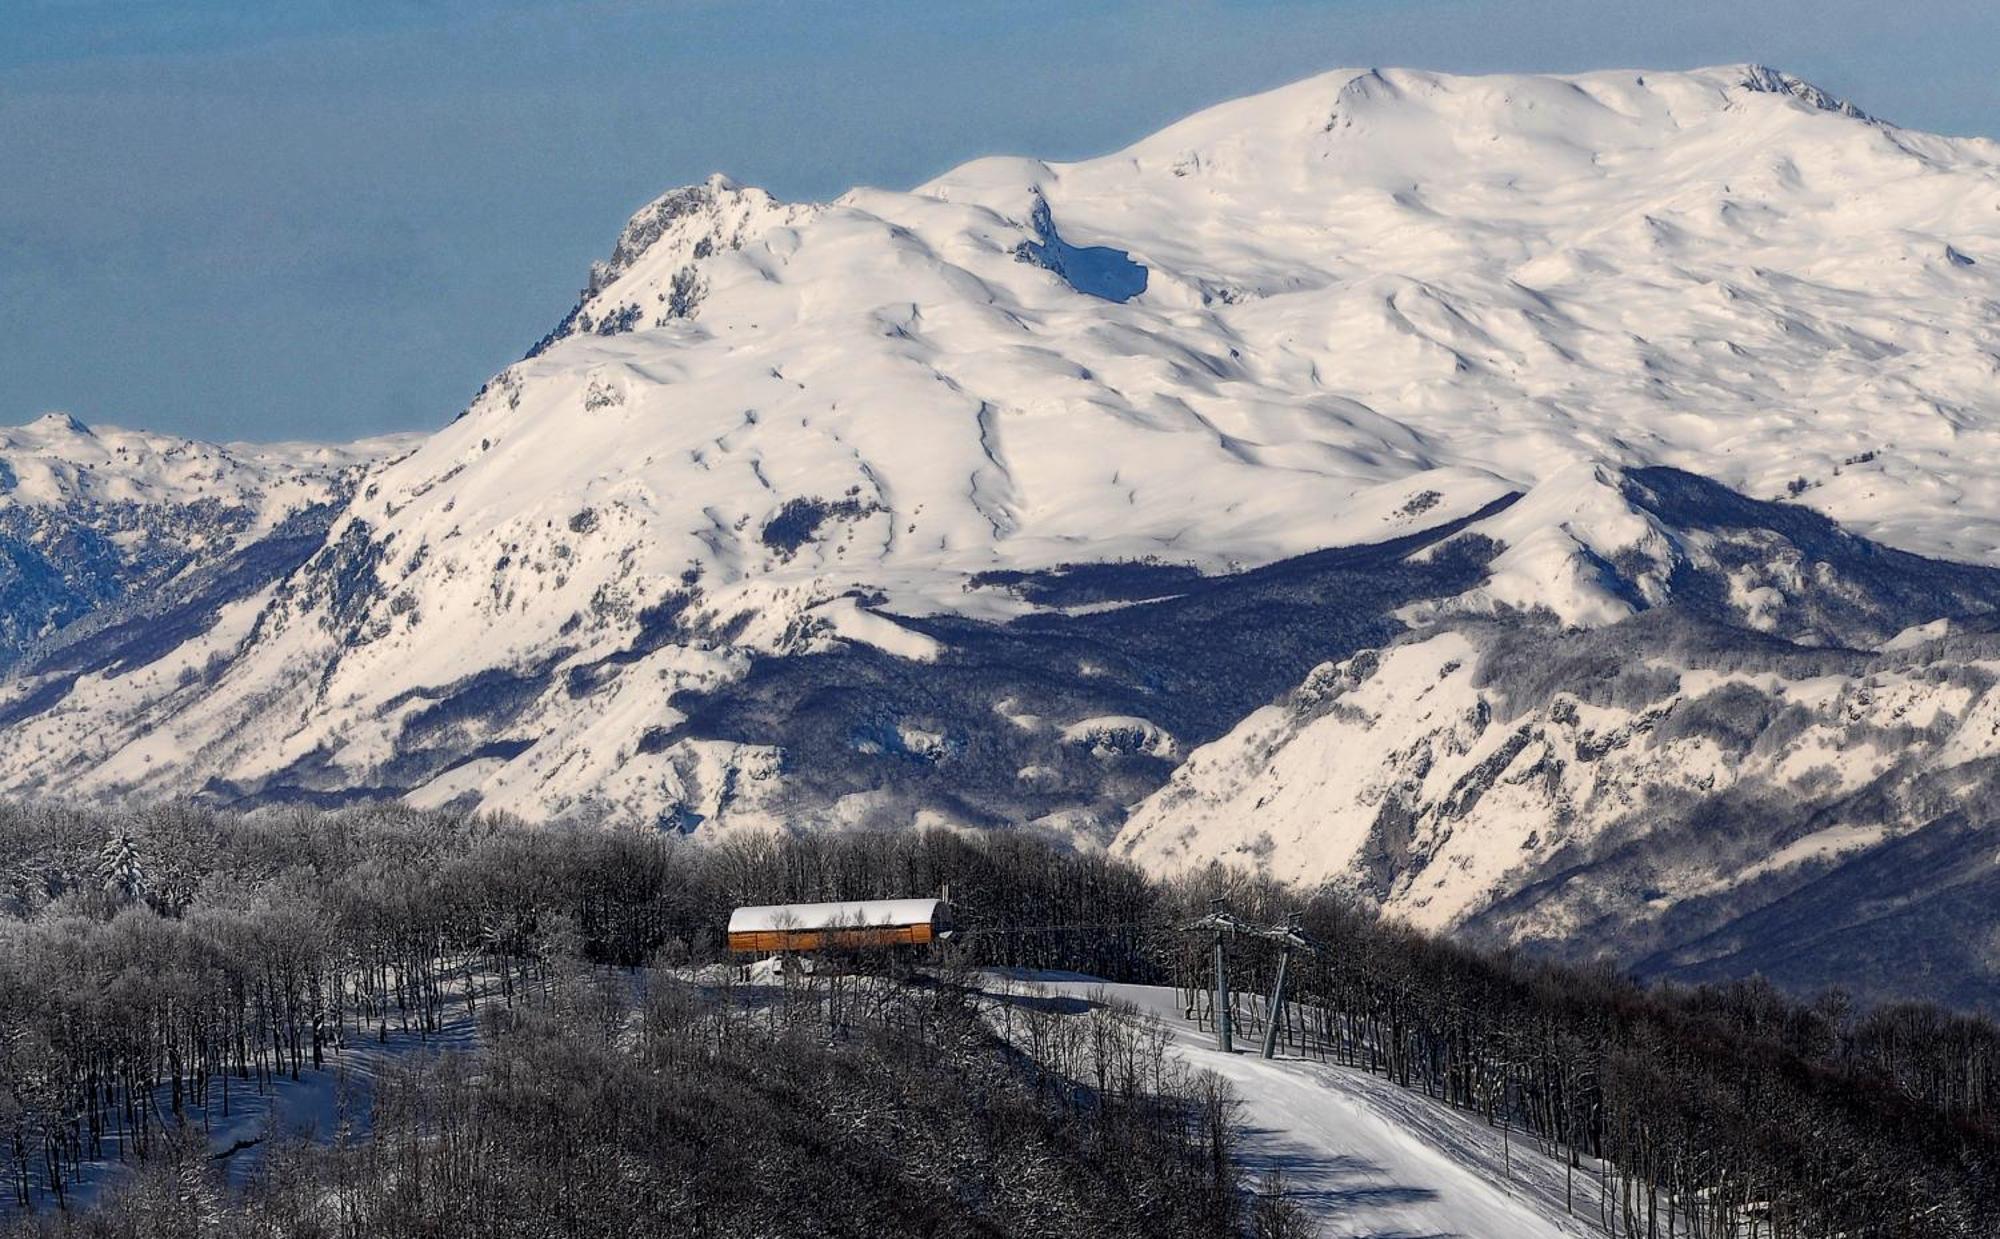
(329, 218)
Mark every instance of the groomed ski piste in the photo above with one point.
(1358, 1154)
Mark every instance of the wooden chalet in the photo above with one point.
(864, 923)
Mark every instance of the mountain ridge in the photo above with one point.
(938, 505)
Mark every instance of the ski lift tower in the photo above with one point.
(1220, 923)
(1287, 937)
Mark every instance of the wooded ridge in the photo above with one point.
(157, 965)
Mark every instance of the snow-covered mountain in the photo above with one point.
(1446, 412)
(92, 521)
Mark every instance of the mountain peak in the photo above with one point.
(1762, 79)
(1421, 483)
(1342, 314)
(56, 422)
(666, 242)
(659, 217)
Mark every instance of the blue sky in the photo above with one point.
(320, 219)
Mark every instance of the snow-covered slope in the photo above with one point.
(1756, 720)
(1431, 773)
(92, 518)
(992, 500)
(1358, 1155)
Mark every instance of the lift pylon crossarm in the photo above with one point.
(1224, 926)
(1288, 936)
(1219, 923)
(1283, 935)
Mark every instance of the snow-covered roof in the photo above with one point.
(833, 915)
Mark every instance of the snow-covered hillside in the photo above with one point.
(92, 518)
(1359, 1155)
(1749, 671)
(991, 501)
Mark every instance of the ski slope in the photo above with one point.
(1359, 1155)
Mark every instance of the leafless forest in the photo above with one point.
(158, 967)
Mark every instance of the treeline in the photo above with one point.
(580, 1117)
(156, 963)
(1718, 1111)
(151, 962)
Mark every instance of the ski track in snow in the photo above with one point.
(1362, 1156)
(320, 1105)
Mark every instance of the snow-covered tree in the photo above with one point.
(121, 871)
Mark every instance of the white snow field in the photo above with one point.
(56, 462)
(1364, 289)
(1360, 1156)
(1363, 306)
